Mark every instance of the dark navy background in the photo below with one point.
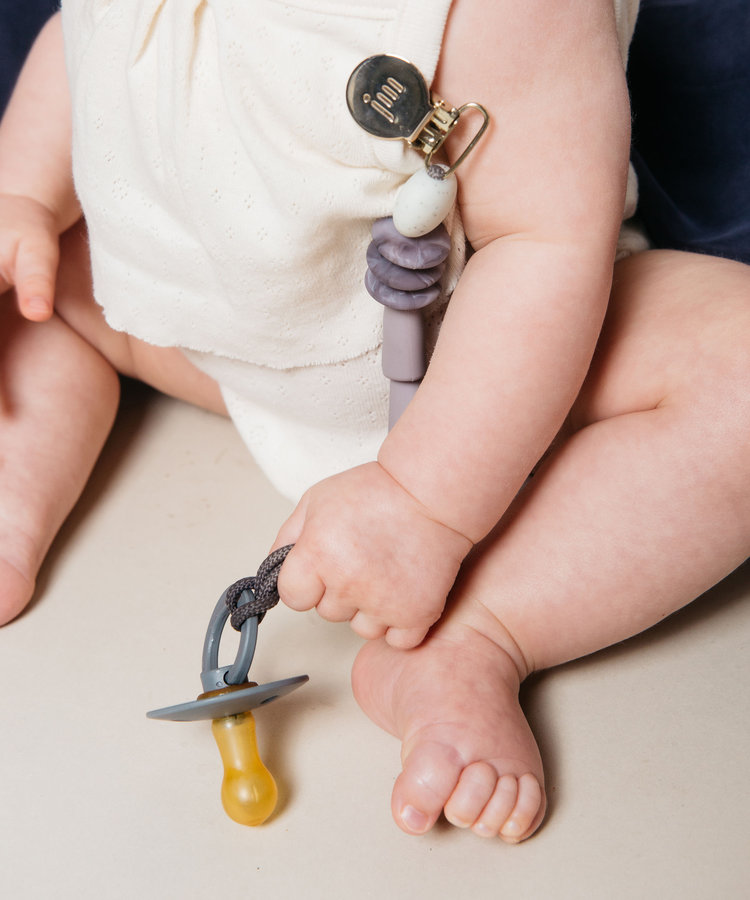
(20, 22)
(689, 76)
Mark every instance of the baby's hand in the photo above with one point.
(29, 254)
(368, 553)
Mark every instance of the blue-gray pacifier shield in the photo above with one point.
(230, 703)
(227, 692)
(388, 97)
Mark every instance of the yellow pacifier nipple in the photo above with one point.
(248, 791)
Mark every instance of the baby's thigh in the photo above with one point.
(164, 368)
(677, 329)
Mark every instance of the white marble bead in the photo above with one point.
(424, 201)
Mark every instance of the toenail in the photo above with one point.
(414, 819)
(511, 828)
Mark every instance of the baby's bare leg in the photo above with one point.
(643, 505)
(58, 397)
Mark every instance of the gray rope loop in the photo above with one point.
(263, 586)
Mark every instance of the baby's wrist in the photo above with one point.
(428, 511)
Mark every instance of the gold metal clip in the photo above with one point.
(438, 129)
(388, 97)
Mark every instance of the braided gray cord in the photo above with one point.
(263, 587)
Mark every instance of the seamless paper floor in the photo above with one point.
(646, 745)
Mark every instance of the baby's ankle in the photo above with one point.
(498, 638)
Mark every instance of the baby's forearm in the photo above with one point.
(514, 349)
(35, 133)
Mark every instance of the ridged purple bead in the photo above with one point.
(404, 273)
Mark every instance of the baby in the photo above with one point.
(228, 200)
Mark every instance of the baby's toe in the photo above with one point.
(16, 591)
(527, 812)
(499, 807)
(475, 788)
(430, 775)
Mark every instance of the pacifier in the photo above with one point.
(248, 791)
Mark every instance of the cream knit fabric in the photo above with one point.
(229, 198)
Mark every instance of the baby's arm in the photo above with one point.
(37, 198)
(541, 199)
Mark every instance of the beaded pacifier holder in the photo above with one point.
(389, 98)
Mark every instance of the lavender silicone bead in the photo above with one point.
(411, 253)
(398, 277)
(402, 300)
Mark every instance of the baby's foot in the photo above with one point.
(467, 748)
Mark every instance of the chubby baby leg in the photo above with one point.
(643, 504)
(166, 369)
(58, 397)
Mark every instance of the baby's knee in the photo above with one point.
(718, 314)
(677, 328)
(696, 331)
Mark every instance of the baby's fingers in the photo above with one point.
(405, 638)
(299, 585)
(35, 273)
(367, 627)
